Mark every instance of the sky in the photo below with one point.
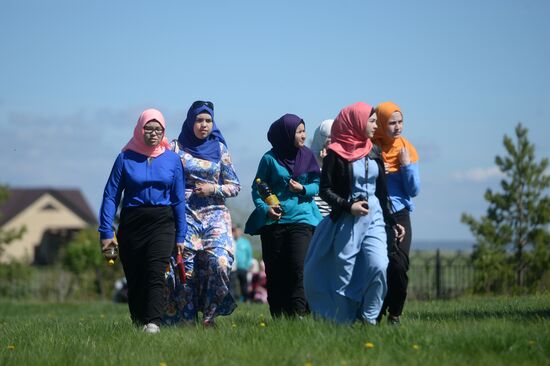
(75, 75)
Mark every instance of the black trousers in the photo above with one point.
(242, 276)
(146, 238)
(284, 248)
(397, 271)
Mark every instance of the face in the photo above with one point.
(153, 133)
(395, 125)
(236, 232)
(203, 125)
(300, 136)
(371, 126)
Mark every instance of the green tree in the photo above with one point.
(83, 255)
(512, 239)
(8, 236)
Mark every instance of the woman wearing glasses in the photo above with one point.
(152, 216)
(292, 173)
(208, 248)
(345, 268)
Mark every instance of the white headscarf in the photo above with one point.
(322, 133)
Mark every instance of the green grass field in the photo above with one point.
(469, 331)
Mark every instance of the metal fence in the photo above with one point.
(432, 275)
(440, 276)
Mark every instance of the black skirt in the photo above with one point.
(143, 223)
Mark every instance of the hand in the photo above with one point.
(360, 208)
(275, 213)
(181, 245)
(386, 168)
(106, 243)
(404, 157)
(399, 232)
(323, 153)
(295, 186)
(203, 189)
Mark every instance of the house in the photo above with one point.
(51, 217)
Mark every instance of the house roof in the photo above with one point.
(20, 198)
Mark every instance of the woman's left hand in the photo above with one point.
(295, 186)
(399, 232)
(203, 189)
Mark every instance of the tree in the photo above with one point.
(83, 255)
(512, 239)
(8, 236)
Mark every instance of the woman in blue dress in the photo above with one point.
(345, 267)
(208, 249)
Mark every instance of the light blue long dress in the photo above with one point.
(345, 267)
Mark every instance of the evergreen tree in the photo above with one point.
(512, 239)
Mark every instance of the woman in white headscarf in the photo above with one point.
(321, 139)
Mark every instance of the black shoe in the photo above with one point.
(393, 320)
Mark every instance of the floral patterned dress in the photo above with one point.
(208, 253)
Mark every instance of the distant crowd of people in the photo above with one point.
(333, 219)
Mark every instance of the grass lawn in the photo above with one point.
(468, 331)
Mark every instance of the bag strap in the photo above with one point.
(367, 175)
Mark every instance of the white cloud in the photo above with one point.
(477, 174)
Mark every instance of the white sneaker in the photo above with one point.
(151, 328)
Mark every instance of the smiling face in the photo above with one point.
(394, 127)
(203, 125)
(371, 126)
(153, 132)
(300, 136)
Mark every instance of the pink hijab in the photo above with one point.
(137, 144)
(348, 134)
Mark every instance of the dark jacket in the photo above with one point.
(336, 179)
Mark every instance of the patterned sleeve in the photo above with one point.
(230, 185)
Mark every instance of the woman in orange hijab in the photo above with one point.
(403, 180)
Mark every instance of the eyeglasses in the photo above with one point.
(200, 103)
(151, 130)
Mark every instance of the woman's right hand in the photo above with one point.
(275, 213)
(323, 153)
(106, 243)
(360, 208)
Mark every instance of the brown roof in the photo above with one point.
(20, 198)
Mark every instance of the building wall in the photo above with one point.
(38, 220)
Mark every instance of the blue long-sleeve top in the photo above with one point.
(403, 185)
(155, 181)
(298, 208)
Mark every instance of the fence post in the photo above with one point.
(437, 275)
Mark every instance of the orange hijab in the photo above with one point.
(391, 146)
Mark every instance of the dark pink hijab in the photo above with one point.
(348, 134)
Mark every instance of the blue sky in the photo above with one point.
(75, 75)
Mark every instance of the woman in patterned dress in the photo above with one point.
(208, 248)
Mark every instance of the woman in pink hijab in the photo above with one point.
(152, 219)
(345, 267)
